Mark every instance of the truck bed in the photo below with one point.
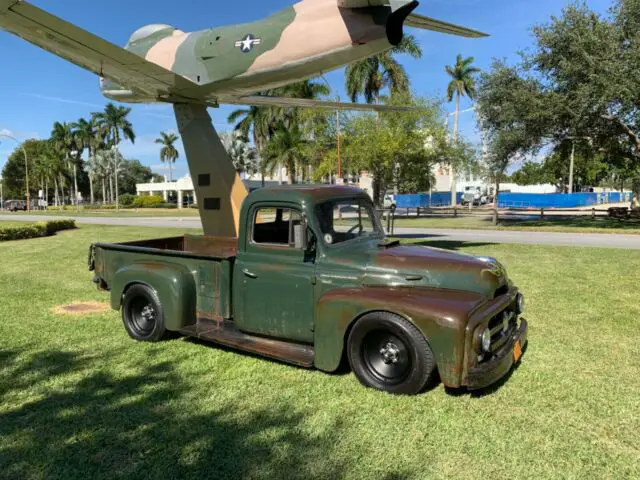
(203, 264)
(222, 248)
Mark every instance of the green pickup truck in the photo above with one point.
(312, 280)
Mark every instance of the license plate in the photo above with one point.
(517, 351)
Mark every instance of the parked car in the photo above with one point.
(15, 205)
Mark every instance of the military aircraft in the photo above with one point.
(226, 65)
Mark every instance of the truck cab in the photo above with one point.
(313, 280)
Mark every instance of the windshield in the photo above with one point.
(344, 220)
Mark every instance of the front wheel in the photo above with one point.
(389, 353)
(142, 314)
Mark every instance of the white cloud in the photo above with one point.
(5, 131)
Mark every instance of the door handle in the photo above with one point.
(249, 274)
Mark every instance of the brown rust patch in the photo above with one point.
(81, 308)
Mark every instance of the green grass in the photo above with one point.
(79, 399)
(583, 224)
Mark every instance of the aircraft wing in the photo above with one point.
(427, 23)
(414, 20)
(267, 101)
(89, 51)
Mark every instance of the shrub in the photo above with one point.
(147, 201)
(35, 230)
(127, 199)
(23, 232)
(54, 226)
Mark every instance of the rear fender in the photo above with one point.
(441, 315)
(173, 283)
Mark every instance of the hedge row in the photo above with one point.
(35, 230)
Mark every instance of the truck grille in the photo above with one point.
(502, 327)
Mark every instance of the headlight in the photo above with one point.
(520, 303)
(486, 340)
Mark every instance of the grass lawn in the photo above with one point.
(141, 212)
(79, 399)
(575, 225)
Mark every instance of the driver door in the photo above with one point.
(277, 279)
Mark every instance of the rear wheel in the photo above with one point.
(142, 314)
(389, 353)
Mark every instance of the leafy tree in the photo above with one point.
(368, 77)
(168, 153)
(585, 67)
(462, 84)
(13, 172)
(532, 173)
(133, 172)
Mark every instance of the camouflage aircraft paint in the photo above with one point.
(195, 70)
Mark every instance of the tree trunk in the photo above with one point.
(170, 172)
(454, 190)
(635, 195)
(115, 174)
(495, 204)
(110, 189)
(91, 189)
(104, 189)
(55, 191)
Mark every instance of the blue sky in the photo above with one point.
(37, 88)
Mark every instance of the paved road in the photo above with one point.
(471, 236)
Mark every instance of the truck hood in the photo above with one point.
(414, 265)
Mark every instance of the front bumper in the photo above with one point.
(493, 370)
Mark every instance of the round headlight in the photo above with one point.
(520, 303)
(486, 340)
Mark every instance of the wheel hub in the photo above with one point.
(390, 353)
(148, 313)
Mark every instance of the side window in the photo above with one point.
(274, 226)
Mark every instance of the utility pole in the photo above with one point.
(339, 176)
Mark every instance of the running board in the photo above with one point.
(227, 333)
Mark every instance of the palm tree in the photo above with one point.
(243, 156)
(88, 137)
(462, 84)
(368, 77)
(63, 142)
(168, 152)
(255, 120)
(287, 146)
(114, 126)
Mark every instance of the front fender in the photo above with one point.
(173, 283)
(441, 315)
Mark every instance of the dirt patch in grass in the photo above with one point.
(81, 308)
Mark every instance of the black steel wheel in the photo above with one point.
(389, 353)
(142, 314)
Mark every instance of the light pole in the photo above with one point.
(26, 168)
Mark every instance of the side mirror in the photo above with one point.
(300, 236)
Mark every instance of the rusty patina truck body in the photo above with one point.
(312, 280)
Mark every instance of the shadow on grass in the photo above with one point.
(141, 426)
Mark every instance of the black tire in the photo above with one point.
(143, 315)
(389, 353)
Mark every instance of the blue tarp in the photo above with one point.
(425, 200)
(517, 200)
(559, 200)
